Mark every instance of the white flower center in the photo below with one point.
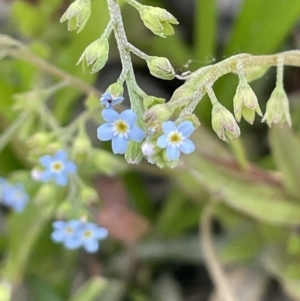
(57, 166)
(69, 230)
(175, 138)
(121, 127)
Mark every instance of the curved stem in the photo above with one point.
(212, 263)
(18, 50)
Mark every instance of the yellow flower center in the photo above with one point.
(175, 138)
(87, 234)
(121, 127)
(56, 166)
(69, 230)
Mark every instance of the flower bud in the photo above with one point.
(158, 20)
(160, 67)
(77, 14)
(157, 114)
(278, 108)
(224, 123)
(81, 149)
(94, 56)
(88, 195)
(39, 140)
(245, 103)
(115, 89)
(45, 193)
(150, 101)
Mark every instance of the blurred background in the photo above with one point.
(154, 251)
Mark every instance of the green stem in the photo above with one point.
(239, 153)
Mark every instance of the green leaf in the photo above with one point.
(177, 214)
(90, 290)
(205, 29)
(258, 21)
(260, 200)
(286, 149)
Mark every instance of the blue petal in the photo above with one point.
(101, 233)
(186, 128)
(117, 100)
(73, 242)
(162, 141)
(61, 179)
(75, 224)
(58, 225)
(46, 175)
(129, 116)
(58, 236)
(173, 152)
(168, 126)
(110, 115)
(91, 245)
(119, 145)
(61, 155)
(46, 160)
(136, 134)
(187, 146)
(70, 167)
(105, 132)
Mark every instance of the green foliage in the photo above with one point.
(42, 89)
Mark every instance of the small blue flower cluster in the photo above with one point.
(74, 234)
(57, 167)
(13, 196)
(120, 128)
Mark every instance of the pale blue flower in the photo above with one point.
(67, 233)
(74, 234)
(120, 128)
(90, 235)
(174, 139)
(14, 196)
(108, 101)
(57, 168)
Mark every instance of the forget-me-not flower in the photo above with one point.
(14, 196)
(120, 128)
(57, 167)
(108, 101)
(174, 139)
(75, 233)
(67, 233)
(90, 234)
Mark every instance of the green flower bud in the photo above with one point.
(158, 20)
(88, 195)
(39, 140)
(94, 56)
(157, 114)
(245, 103)
(115, 89)
(223, 123)
(53, 147)
(77, 14)
(278, 108)
(45, 193)
(160, 67)
(82, 147)
(150, 101)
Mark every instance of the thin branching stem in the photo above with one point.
(212, 263)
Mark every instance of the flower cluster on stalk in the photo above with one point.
(74, 234)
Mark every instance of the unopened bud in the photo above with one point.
(157, 114)
(88, 195)
(77, 14)
(158, 20)
(81, 150)
(39, 140)
(94, 56)
(160, 67)
(150, 101)
(277, 108)
(245, 103)
(223, 123)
